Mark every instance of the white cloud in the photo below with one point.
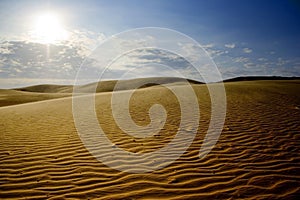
(205, 46)
(282, 62)
(22, 61)
(230, 46)
(29, 60)
(86, 40)
(5, 50)
(247, 50)
(150, 62)
(216, 52)
(249, 65)
(240, 60)
(262, 59)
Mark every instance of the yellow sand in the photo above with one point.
(256, 157)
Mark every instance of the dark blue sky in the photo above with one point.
(262, 24)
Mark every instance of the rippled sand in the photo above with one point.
(256, 157)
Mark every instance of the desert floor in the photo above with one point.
(257, 155)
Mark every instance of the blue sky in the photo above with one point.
(243, 37)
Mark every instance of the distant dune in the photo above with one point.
(44, 92)
(260, 78)
(108, 86)
(11, 97)
(104, 86)
(256, 157)
(47, 88)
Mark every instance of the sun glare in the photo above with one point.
(48, 29)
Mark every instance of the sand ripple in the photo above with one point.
(257, 156)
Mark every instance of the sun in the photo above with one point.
(48, 29)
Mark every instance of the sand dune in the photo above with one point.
(11, 97)
(103, 86)
(45, 92)
(256, 157)
(260, 78)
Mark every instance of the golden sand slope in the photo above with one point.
(256, 157)
(45, 92)
(12, 97)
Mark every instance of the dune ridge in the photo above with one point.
(104, 86)
(44, 92)
(256, 157)
(261, 78)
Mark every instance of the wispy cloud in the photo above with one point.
(216, 52)
(207, 45)
(262, 59)
(151, 62)
(247, 50)
(26, 59)
(230, 46)
(240, 60)
(25, 62)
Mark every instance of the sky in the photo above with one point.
(48, 41)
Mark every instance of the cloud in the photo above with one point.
(240, 60)
(230, 46)
(216, 52)
(5, 48)
(262, 59)
(282, 62)
(33, 59)
(205, 46)
(25, 62)
(250, 65)
(86, 40)
(25, 59)
(151, 62)
(247, 50)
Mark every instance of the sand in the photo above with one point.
(256, 157)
